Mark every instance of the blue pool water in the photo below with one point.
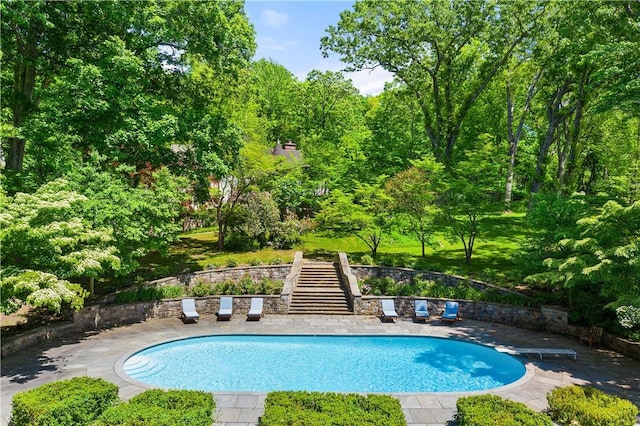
(249, 363)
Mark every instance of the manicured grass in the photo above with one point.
(500, 239)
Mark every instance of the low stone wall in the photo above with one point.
(524, 317)
(105, 316)
(256, 273)
(405, 276)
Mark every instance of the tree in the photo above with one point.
(47, 240)
(331, 127)
(38, 289)
(275, 89)
(255, 220)
(226, 193)
(470, 194)
(365, 213)
(142, 219)
(414, 193)
(445, 52)
(397, 133)
(600, 259)
(162, 41)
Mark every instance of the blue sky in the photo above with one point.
(289, 32)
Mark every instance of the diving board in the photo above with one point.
(539, 351)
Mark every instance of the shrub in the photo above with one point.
(588, 406)
(277, 261)
(147, 294)
(255, 262)
(366, 260)
(482, 410)
(269, 286)
(289, 232)
(162, 408)
(379, 286)
(320, 409)
(76, 401)
(202, 289)
(231, 263)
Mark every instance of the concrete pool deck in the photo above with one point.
(98, 354)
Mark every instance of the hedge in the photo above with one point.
(162, 408)
(588, 406)
(72, 402)
(327, 409)
(482, 410)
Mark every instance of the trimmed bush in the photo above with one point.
(147, 294)
(162, 408)
(72, 402)
(327, 409)
(482, 410)
(588, 406)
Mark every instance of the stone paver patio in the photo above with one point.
(101, 354)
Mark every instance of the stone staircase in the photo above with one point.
(318, 291)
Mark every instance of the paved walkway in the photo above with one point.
(101, 354)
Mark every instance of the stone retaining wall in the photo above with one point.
(531, 318)
(256, 273)
(97, 317)
(405, 276)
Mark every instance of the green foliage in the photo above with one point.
(232, 263)
(600, 258)
(366, 260)
(246, 285)
(162, 408)
(39, 289)
(202, 289)
(379, 286)
(414, 193)
(71, 402)
(142, 219)
(147, 294)
(588, 406)
(288, 233)
(629, 318)
(364, 213)
(326, 409)
(386, 286)
(482, 410)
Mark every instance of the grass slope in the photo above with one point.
(499, 240)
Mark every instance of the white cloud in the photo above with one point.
(273, 19)
(370, 82)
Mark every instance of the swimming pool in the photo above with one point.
(264, 363)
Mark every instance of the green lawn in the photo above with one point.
(500, 238)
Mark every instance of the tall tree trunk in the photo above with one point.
(514, 136)
(554, 118)
(567, 155)
(24, 82)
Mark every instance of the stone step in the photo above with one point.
(324, 312)
(318, 291)
(317, 301)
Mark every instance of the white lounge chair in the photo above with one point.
(189, 312)
(421, 311)
(226, 307)
(450, 313)
(388, 310)
(255, 310)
